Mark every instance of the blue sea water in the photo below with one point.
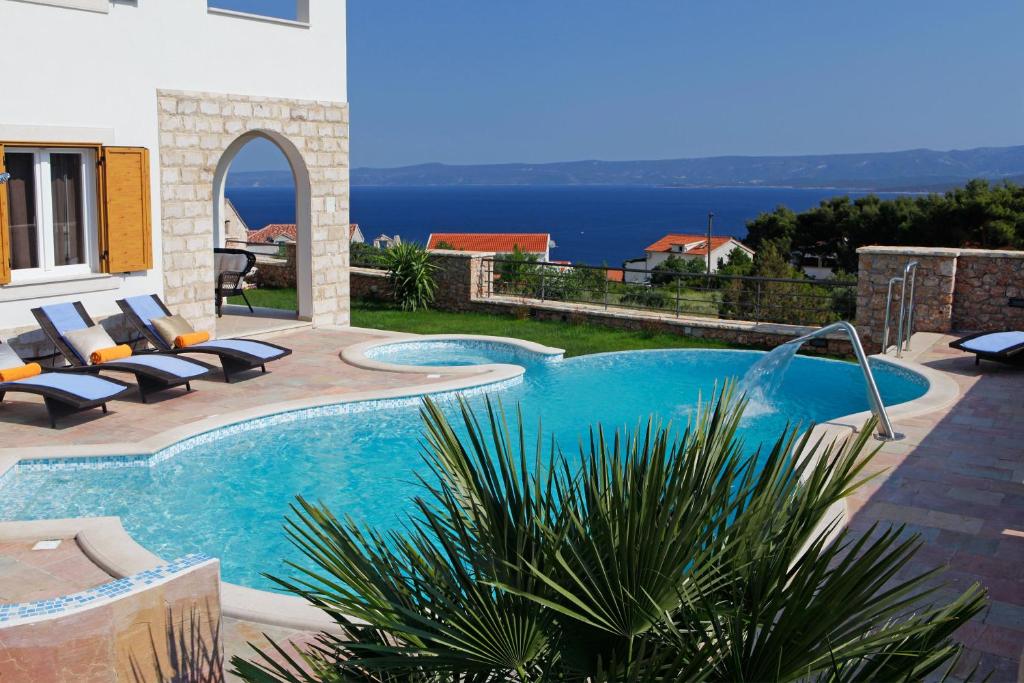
(229, 497)
(592, 225)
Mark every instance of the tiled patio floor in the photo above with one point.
(957, 478)
(313, 369)
(27, 575)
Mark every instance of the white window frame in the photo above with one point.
(102, 6)
(48, 270)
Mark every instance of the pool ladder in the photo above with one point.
(885, 428)
(905, 328)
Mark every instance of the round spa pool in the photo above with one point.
(226, 493)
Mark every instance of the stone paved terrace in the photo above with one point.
(957, 478)
(313, 370)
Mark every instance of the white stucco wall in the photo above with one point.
(100, 86)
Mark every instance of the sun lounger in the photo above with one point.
(1002, 347)
(63, 393)
(153, 371)
(236, 355)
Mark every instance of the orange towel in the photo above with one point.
(111, 353)
(191, 339)
(20, 372)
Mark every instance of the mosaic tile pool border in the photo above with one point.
(14, 614)
(101, 462)
(383, 353)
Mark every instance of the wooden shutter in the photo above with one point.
(5, 231)
(126, 240)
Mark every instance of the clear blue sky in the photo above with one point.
(459, 81)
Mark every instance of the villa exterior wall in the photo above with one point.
(955, 290)
(108, 96)
(196, 130)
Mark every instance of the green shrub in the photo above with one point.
(411, 275)
(646, 558)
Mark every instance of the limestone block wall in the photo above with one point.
(459, 278)
(955, 290)
(934, 283)
(988, 283)
(197, 130)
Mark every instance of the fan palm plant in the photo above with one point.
(647, 558)
(411, 275)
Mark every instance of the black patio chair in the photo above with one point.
(232, 266)
(1002, 347)
(235, 355)
(64, 393)
(153, 371)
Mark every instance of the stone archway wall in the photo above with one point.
(195, 131)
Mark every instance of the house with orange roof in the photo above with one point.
(691, 247)
(286, 233)
(502, 243)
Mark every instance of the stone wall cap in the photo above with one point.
(941, 251)
(463, 254)
(910, 251)
(992, 253)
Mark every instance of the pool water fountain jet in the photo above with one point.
(763, 378)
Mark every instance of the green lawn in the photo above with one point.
(269, 298)
(576, 338)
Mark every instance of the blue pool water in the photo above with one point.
(227, 496)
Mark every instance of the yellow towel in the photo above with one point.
(111, 353)
(20, 372)
(191, 339)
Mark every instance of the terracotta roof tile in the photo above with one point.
(274, 230)
(268, 233)
(500, 242)
(668, 241)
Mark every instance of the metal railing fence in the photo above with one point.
(728, 297)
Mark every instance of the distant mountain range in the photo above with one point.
(916, 169)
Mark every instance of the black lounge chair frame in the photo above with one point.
(1013, 355)
(230, 282)
(232, 361)
(60, 404)
(149, 380)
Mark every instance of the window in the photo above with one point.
(51, 204)
(90, 5)
(284, 11)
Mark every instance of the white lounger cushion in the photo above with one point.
(994, 343)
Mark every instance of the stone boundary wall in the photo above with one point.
(956, 290)
(196, 129)
(461, 288)
(986, 281)
(275, 273)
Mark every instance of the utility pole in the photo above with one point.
(711, 220)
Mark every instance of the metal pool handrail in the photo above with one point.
(888, 313)
(906, 309)
(885, 428)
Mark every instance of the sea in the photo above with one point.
(593, 225)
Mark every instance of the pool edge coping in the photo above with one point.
(113, 549)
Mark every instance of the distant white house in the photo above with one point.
(383, 241)
(276, 234)
(538, 244)
(683, 246)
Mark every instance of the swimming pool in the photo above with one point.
(226, 493)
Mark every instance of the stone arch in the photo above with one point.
(200, 134)
(303, 208)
